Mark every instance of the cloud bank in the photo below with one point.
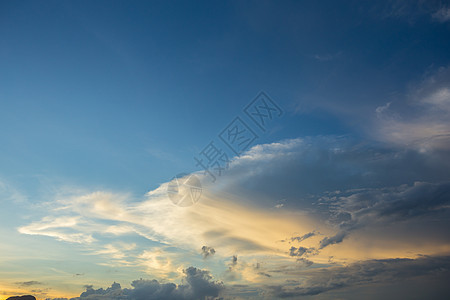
(198, 285)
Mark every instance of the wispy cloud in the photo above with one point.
(424, 124)
(29, 283)
(327, 56)
(442, 15)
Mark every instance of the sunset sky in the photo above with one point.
(316, 135)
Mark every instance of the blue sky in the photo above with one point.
(102, 103)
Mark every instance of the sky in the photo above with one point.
(225, 149)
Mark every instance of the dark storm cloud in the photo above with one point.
(365, 273)
(199, 284)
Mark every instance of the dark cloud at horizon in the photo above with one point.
(370, 272)
(362, 275)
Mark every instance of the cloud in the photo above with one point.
(215, 220)
(306, 262)
(424, 123)
(342, 188)
(337, 238)
(303, 237)
(368, 272)
(369, 207)
(60, 228)
(410, 11)
(198, 284)
(29, 283)
(300, 251)
(327, 57)
(234, 260)
(442, 15)
(379, 110)
(9, 194)
(207, 251)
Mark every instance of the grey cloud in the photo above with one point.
(233, 263)
(375, 206)
(300, 251)
(234, 260)
(230, 273)
(303, 237)
(113, 292)
(264, 274)
(365, 273)
(301, 169)
(337, 238)
(305, 261)
(198, 284)
(29, 283)
(366, 183)
(207, 251)
(388, 204)
(227, 237)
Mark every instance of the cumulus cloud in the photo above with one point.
(198, 284)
